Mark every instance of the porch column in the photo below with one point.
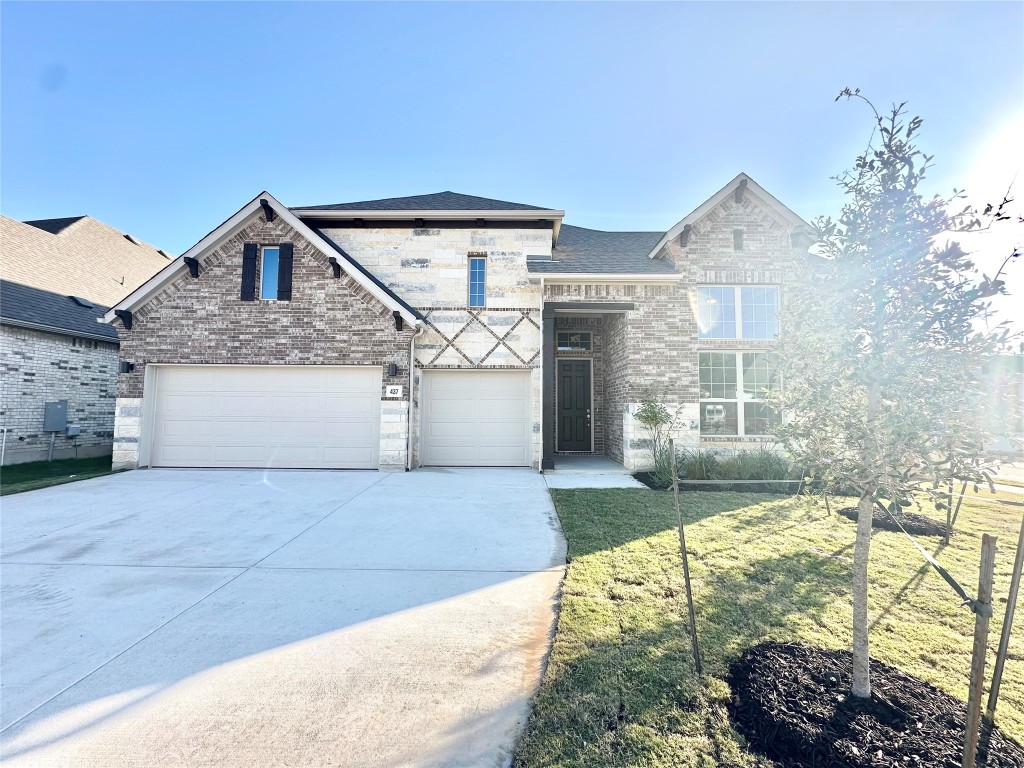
(548, 389)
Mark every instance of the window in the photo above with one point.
(732, 390)
(737, 239)
(268, 273)
(737, 312)
(477, 280)
(573, 340)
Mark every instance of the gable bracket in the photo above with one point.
(684, 236)
(125, 316)
(268, 212)
(193, 266)
(335, 266)
(398, 319)
(740, 189)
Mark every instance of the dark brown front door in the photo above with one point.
(574, 405)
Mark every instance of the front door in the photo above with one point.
(574, 415)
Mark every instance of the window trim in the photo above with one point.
(738, 304)
(263, 272)
(740, 400)
(469, 281)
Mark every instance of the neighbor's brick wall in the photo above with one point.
(328, 322)
(38, 367)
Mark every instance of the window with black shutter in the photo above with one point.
(284, 272)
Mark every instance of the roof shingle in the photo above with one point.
(22, 304)
(591, 250)
(437, 201)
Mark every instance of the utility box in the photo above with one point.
(73, 430)
(55, 416)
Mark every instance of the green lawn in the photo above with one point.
(620, 688)
(40, 474)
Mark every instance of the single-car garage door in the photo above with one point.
(476, 418)
(265, 416)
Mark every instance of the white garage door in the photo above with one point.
(266, 416)
(476, 418)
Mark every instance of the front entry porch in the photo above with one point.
(584, 387)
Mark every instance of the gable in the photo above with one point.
(742, 199)
(266, 209)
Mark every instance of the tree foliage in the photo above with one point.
(881, 348)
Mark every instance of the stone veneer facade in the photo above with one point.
(650, 351)
(39, 367)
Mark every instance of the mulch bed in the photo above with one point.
(913, 523)
(652, 482)
(792, 704)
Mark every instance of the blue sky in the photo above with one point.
(163, 119)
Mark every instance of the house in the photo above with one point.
(57, 278)
(451, 330)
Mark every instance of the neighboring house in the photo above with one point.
(451, 330)
(57, 278)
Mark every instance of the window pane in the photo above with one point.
(477, 280)
(718, 418)
(716, 312)
(757, 376)
(268, 281)
(760, 310)
(717, 375)
(573, 340)
(758, 419)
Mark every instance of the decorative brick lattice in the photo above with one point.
(460, 337)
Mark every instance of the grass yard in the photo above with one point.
(15, 478)
(620, 688)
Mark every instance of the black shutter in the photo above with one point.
(284, 272)
(249, 253)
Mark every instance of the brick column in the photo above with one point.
(548, 389)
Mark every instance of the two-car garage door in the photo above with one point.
(265, 416)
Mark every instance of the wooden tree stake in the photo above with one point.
(982, 615)
(686, 562)
(1004, 638)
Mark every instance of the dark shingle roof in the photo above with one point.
(591, 250)
(54, 226)
(438, 201)
(22, 305)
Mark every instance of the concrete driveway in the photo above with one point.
(245, 618)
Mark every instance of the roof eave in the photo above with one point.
(606, 277)
(58, 330)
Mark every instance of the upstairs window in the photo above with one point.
(737, 312)
(269, 265)
(477, 281)
(737, 239)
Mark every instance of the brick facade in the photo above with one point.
(38, 367)
(650, 351)
(203, 321)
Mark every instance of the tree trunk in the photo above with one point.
(861, 658)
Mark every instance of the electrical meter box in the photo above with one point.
(55, 416)
(73, 430)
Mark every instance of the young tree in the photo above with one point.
(881, 347)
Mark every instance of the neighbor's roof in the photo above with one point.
(29, 307)
(77, 255)
(437, 201)
(594, 251)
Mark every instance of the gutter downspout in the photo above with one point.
(412, 387)
(540, 463)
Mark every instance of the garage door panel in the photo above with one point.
(259, 416)
(477, 418)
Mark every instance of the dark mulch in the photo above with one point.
(652, 482)
(792, 704)
(911, 522)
